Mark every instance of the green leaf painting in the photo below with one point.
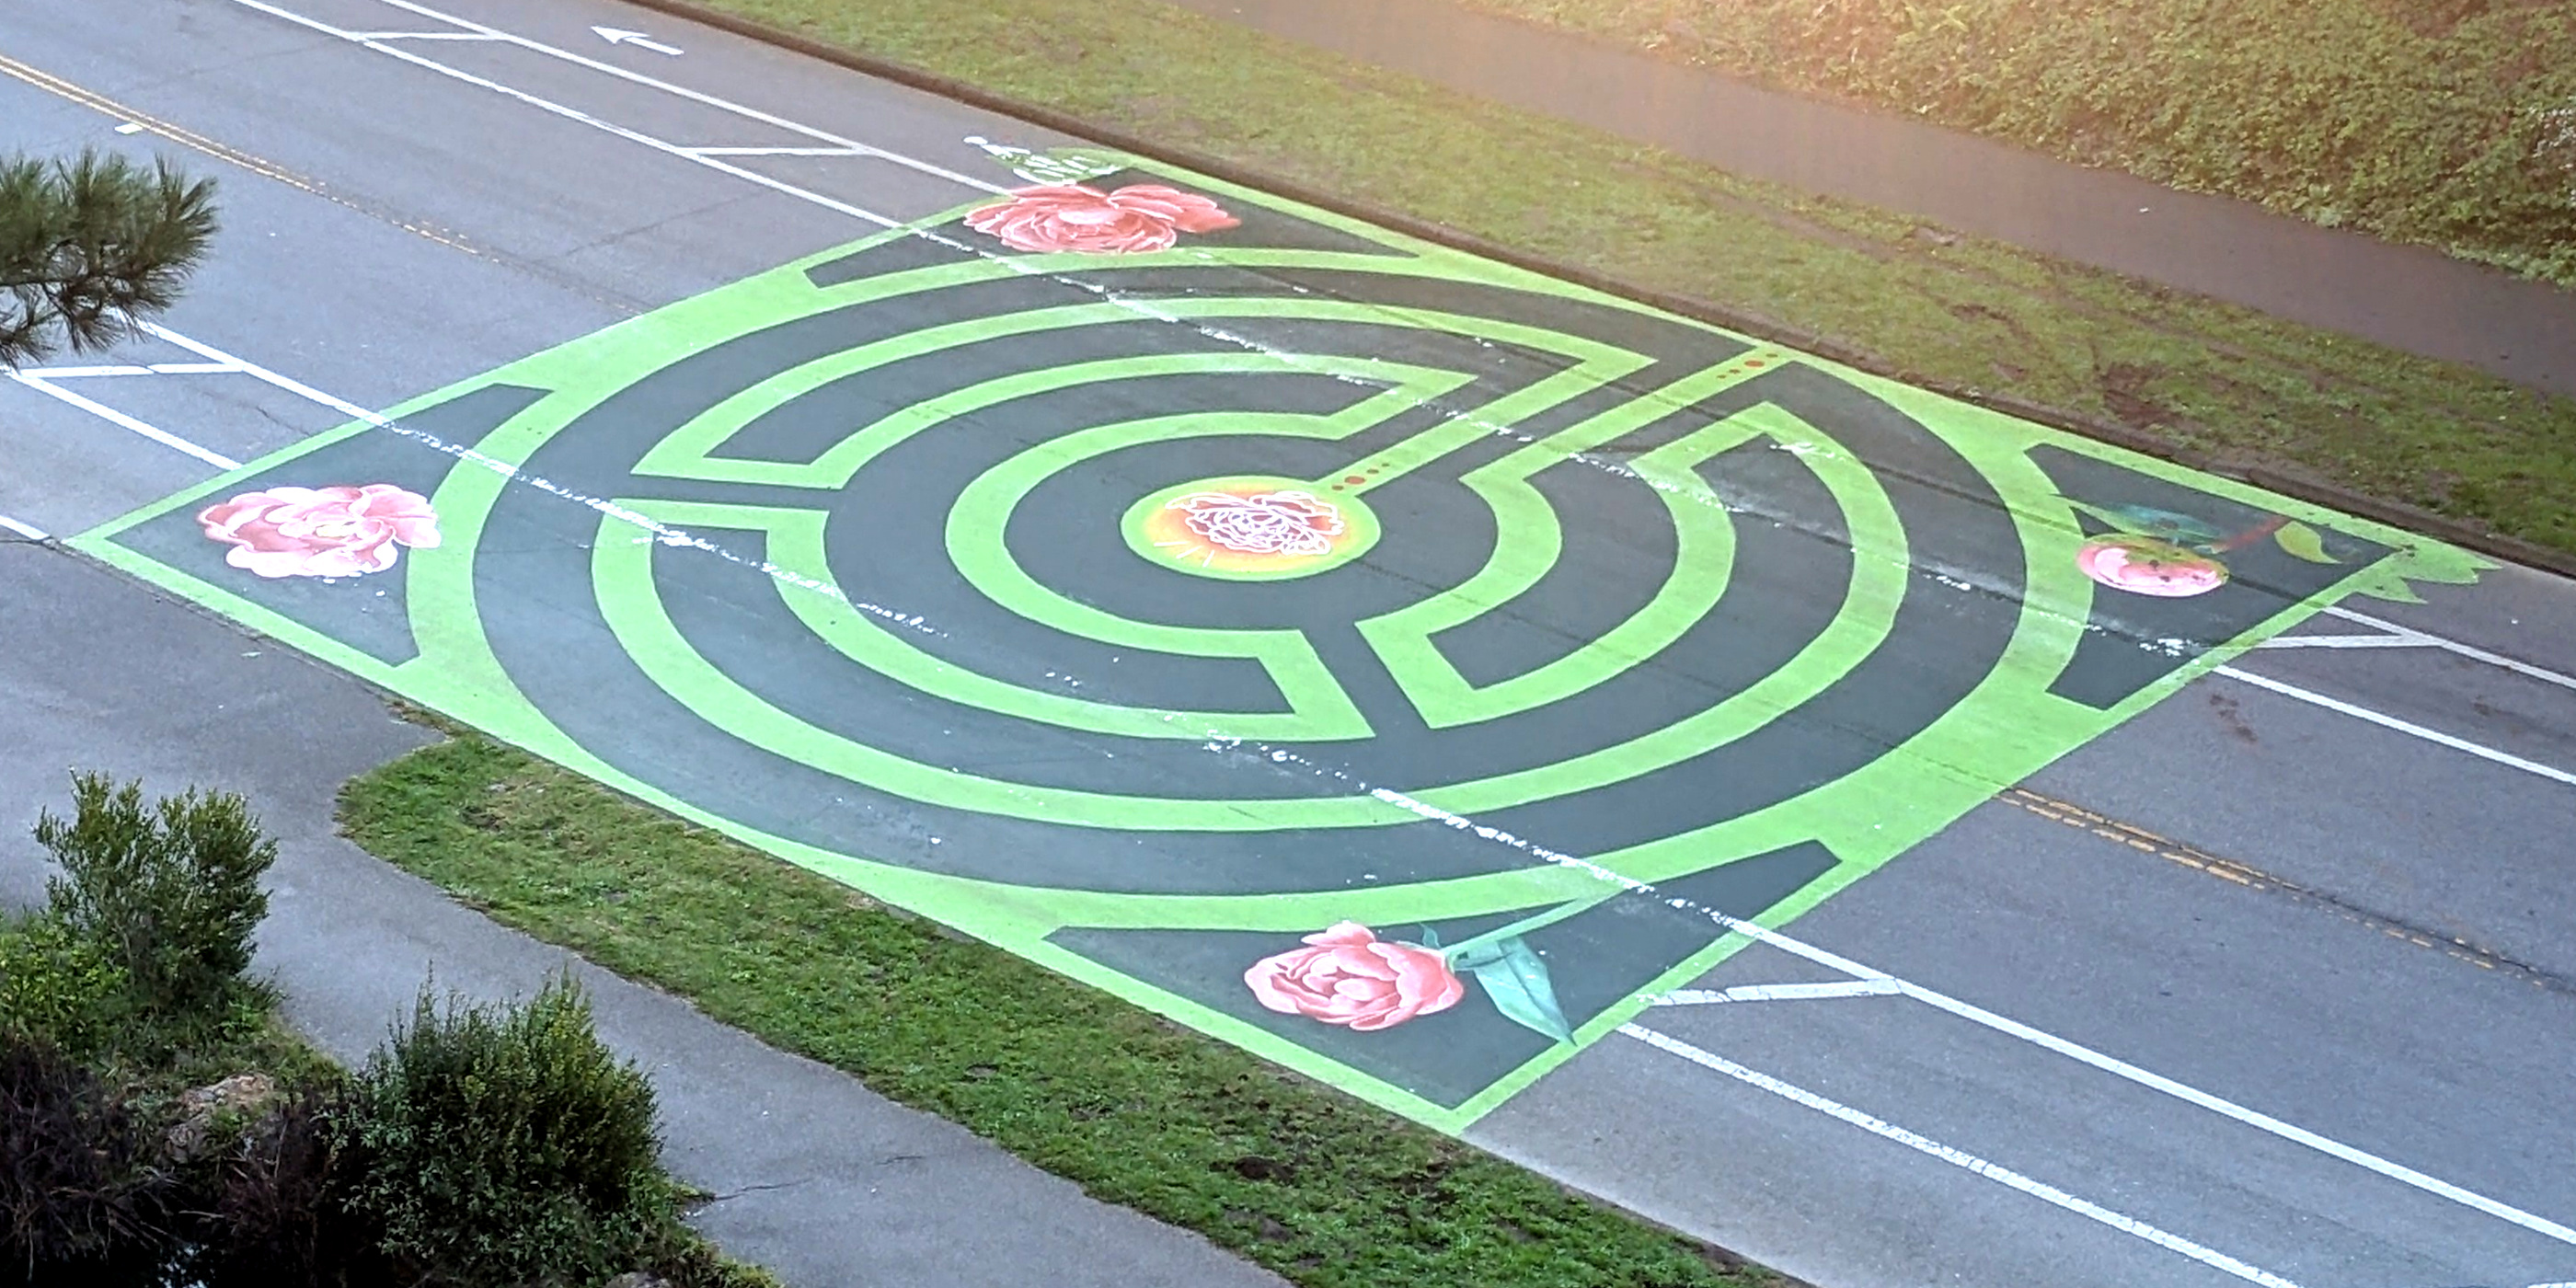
(2303, 542)
(1515, 977)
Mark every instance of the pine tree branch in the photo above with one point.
(90, 247)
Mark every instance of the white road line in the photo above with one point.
(29, 531)
(152, 369)
(696, 96)
(774, 152)
(573, 113)
(2436, 736)
(424, 35)
(1779, 992)
(257, 372)
(1958, 1158)
(2157, 1082)
(2011, 1028)
(2515, 665)
(2346, 641)
(123, 421)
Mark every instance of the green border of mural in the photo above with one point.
(457, 674)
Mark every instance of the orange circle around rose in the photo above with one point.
(1250, 528)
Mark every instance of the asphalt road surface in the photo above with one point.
(2273, 982)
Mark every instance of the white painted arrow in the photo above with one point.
(636, 38)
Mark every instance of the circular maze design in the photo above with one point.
(1145, 574)
(1213, 595)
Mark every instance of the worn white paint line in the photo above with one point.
(1779, 992)
(2159, 1083)
(776, 152)
(424, 35)
(1976, 1015)
(27, 530)
(123, 421)
(151, 369)
(2412, 730)
(571, 113)
(257, 372)
(2346, 641)
(697, 96)
(2000, 1175)
(2515, 665)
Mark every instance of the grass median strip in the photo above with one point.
(2234, 388)
(1319, 1187)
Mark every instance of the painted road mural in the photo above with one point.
(1391, 661)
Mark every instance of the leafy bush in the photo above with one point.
(58, 987)
(80, 1201)
(508, 1146)
(2443, 122)
(172, 892)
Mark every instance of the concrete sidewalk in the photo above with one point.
(825, 1182)
(2404, 297)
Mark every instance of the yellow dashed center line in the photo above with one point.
(221, 151)
(2138, 838)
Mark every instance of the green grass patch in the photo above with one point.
(1300, 1178)
(2236, 387)
(2451, 123)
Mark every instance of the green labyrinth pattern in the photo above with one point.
(1243, 574)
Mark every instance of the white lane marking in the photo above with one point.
(2436, 736)
(123, 421)
(2159, 1083)
(569, 113)
(1779, 992)
(151, 369)
(2345, 641)
(638, 39)
(697, 96)
(29, 531)
(425, 35)
(774, 152)
(257, 372)
(2515, 665)
(2004, 1176)
(2012, 1028)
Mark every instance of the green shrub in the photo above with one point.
(508, 1147)
(81, 1201)
(59, 987)
(172, 891)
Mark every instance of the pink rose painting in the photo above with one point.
(1349, 977)
(1076, 217)
(2146, 566)
(320, 532)
(2166, 555)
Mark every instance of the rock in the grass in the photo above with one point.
(638, 1279)
(198, 1109)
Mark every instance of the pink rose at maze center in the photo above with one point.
(1075, 217)
(320, 532)
(2145, 566)
(1348, 977)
